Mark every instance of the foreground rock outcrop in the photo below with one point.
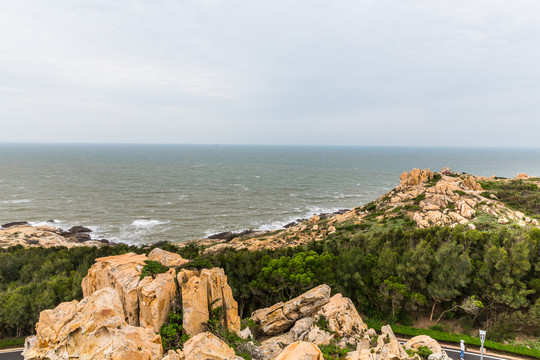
(94, 328)
(121, 315)
(282, 316)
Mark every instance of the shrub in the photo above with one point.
(172, 332)
(152, 268)
(333, 352)
(198, 263)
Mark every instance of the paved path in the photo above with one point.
(11, 354)
(452, 353)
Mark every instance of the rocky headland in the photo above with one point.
(423, 198)
(123, 311)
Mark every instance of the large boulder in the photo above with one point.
(94, 328)
(207, 346)
(282, 316)
(122, 273)
(167, 258)
(301, 350)
(342, 317)
(388, 346)
(155, 299)
(195, 305)
(273, 346)
(423, 340)
(220, 294)
(415, 177)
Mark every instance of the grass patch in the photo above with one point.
(11, 343)
(517, 194)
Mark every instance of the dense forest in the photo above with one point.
(489, 278)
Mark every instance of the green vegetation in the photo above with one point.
(520, 195)
(242, 347)
(401, 274)
(172, 333)
(392, 271)
(333, 352)
(35, 279)
(152, 268)
(11, 343)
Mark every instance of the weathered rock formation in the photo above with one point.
(423, 340)
(282, 316)
(94, 328)
(121, 313)
(301, 350)
(166, 258)
(122, 273)
(207, 346)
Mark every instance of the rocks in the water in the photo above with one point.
(301, 350)
(79, 229)
(229, 235)
(15, 223)
(167, 258)
(282, 316)
(93, 328)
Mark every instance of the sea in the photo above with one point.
(141, 194)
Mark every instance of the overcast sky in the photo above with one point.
(464, 73)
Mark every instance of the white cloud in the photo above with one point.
(243, 71)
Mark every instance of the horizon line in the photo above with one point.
(267, 145)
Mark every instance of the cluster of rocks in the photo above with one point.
(24, 234)
(451, 200)
(121, 314)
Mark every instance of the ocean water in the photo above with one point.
(147, 193)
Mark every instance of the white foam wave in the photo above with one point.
(16, 201)
(42, 223)
(146, 223)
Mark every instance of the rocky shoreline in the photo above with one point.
(26, 235)
(444, 198)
